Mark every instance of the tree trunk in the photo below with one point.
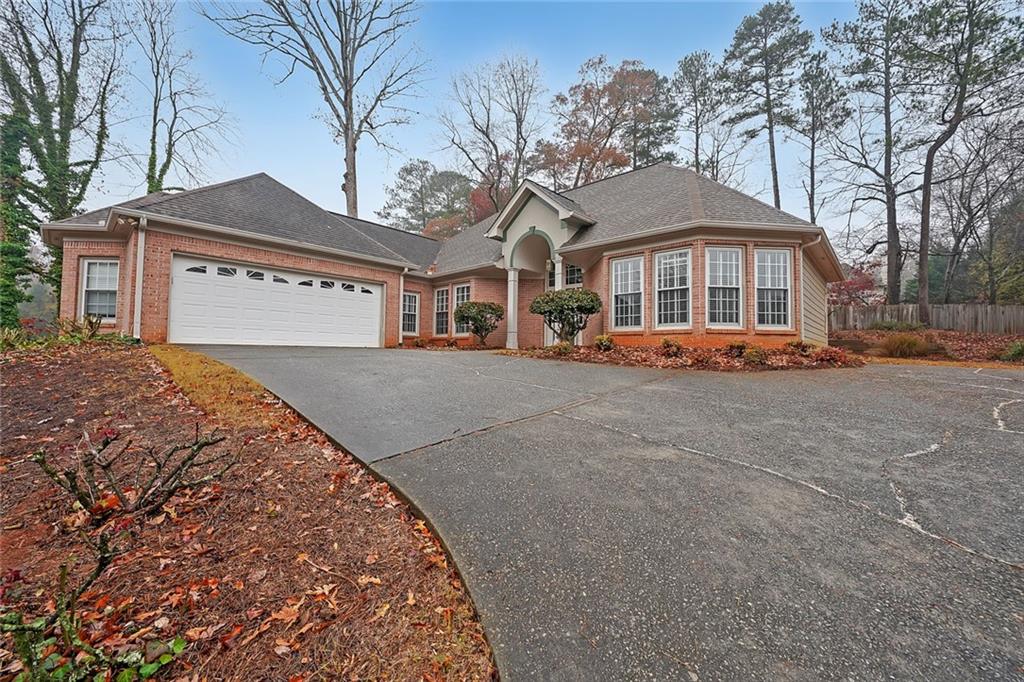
(810, 189)
(893, 251)
(925, 238)
(348, 185)
(696, 147)
(770, 117)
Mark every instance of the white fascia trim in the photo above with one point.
(513, 206)
(252, 237)
(457, 271)
(687, 226)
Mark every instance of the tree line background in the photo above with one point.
(909, 119)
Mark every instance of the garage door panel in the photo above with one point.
(267, 306)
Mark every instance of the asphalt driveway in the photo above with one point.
(633, 524)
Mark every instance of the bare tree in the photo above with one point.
(351, 47)
(494, 121)
(185, 126)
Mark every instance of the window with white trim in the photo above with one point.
(573, 274)
(725, 286)
(99, 289)
(461, 296)
(410, 313)
(441, 312)
(672, 288)
(627, 293)
(773, 275)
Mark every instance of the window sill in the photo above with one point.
(627, 330)
(774, 330)
(725, 330)
(410, 333)
(673, 330)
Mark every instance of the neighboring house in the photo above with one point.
(249, 261)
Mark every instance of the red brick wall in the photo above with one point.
(597, 278)
(75, 250)
(481, 289)
(160, 246)
(426, 311)
(531, 327)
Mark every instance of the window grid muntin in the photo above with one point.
(461, 296)
(672, 286)
(410, 313)
(573, 274)
(627, 293)
(99, 290)
(724, 286)
(773, 285)
(441, 312)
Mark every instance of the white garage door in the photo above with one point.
(220, 302)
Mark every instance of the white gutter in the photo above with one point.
(140, 260)
(687, 225)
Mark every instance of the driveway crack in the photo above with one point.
(903, 522)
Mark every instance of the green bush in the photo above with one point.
(896, 326)
(566, 311)
(1014, 352)
(604, 343)
(670, 347)
(904, 346)
(482, 318)
(755, 355)
(562, 347)
(12, 337)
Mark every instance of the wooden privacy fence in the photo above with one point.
(967, 317)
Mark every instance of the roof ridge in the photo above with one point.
(196, 190)
(345, 221)
(619, 175)
(389, 227)
(743, 194)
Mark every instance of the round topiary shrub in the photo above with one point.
(566, 311)
(482, 318)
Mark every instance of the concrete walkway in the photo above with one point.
(631, 524)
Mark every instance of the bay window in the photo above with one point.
(627, 293)
(672, 289)
(724, 286)
(773, 287)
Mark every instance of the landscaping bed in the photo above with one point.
(672, 355)
(933, 344)
(295, 564)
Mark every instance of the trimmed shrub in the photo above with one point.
(1014, 352)
(562, 347)
(671, 348)
(755, 355)
(896, 326)
(566, 311)
(482, 318)
(904, 346)
(604, 343)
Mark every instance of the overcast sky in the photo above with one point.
(277, 131)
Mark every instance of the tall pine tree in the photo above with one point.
(762, 61)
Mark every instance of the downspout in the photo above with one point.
(140, 259)
(401, 299)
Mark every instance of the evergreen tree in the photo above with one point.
(16, 223)
(422, 193)
(762, 61)
(822, 112)
(698, 83)
(652, 119)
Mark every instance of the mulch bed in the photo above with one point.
(950, 345)
(296, 565)
(682, 357)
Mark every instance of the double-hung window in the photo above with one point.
(672, 288)
(628, 293)
(410, 313)
(725, 286)
(461, 296)
(773, 274)
(573, 275)
(441, 312)
(99, 289)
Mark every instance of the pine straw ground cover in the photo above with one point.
(737, 358)
(945, 345)
(296, 565)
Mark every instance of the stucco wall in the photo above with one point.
(534, 214)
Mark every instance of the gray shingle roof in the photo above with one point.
(409, 245)
(559, 199)
(260, 205)
(469, 248)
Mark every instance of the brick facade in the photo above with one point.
(75, 252)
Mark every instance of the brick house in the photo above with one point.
(249, 261)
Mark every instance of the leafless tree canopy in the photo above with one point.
(494, 121)
(353, 48)
(185, 125)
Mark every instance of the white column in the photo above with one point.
(559, 278)
(512, 310)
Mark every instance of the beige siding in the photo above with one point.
(815, 304)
